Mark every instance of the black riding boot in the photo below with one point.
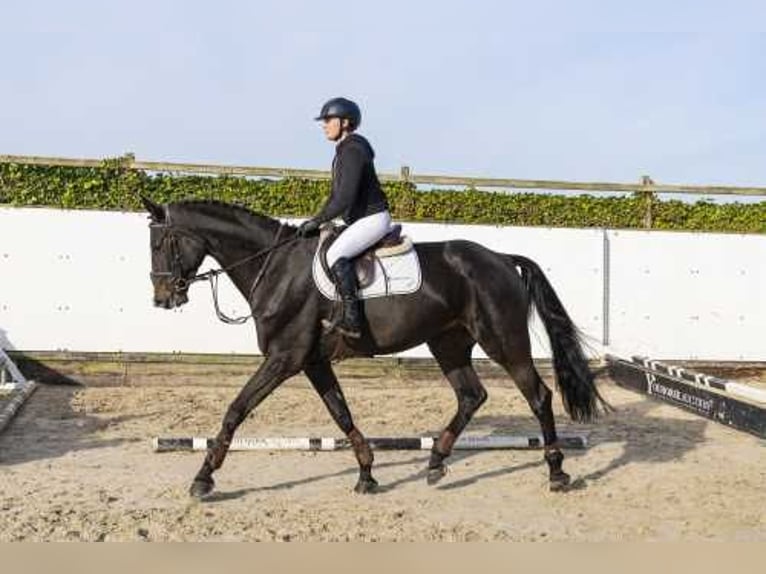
(345, 279)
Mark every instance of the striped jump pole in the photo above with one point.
(490, 442)
(744, 391)
(701, 399)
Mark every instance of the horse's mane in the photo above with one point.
(238, 207)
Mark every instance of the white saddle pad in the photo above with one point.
(394, 275)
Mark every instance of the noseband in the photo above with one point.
(175, 273)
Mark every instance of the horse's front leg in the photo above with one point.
(273, 372)
(326, 385)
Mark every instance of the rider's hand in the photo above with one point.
(308, 227)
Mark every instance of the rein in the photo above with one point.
(180, 283)
(212, 276)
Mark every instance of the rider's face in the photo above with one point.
(333, 128)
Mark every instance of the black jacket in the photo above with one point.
(356, 191)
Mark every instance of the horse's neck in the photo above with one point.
(232, 243)
(237, 267)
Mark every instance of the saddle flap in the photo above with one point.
(393, 243)
(376, 276)
(364, 265)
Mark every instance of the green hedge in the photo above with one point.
(114, 187)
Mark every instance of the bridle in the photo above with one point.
(179, 283)
(169, 236)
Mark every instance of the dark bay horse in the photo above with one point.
(469, 295)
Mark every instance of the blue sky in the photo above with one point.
(580, 90)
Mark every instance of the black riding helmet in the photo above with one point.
(341, 108)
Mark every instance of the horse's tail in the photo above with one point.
(574, 377)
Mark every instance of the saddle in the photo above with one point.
(393, 243)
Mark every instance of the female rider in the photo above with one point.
(356, 197)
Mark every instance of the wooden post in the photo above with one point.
(128, 160)
(404, 173)
(647, 183)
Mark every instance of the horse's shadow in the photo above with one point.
(643, 439)
(350, 471)
(48, 427)
(383, 488)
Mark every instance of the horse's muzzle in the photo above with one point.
(175, 299)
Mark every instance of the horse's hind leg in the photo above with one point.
(517, 361)
(273, 372)
(326, 384)
(452, 350)
(539, 396)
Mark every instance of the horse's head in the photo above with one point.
(176, 255)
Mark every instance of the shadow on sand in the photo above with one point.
(631, 426)
(48, 427)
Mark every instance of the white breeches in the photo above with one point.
(358, 236)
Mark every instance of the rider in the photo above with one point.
(357, 197)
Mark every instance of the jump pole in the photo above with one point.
(711, 403)
(491, 442)
(744, 391)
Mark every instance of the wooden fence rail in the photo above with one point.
(646, 185)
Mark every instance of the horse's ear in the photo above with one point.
(155, 210)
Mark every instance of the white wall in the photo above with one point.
(688, 295)
(79, 281)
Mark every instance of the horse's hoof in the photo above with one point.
(366, 486)
(559, 482)
(436, 474)
(201, 488)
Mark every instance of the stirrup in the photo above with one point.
(330, 326)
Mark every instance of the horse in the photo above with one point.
(469, 295)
